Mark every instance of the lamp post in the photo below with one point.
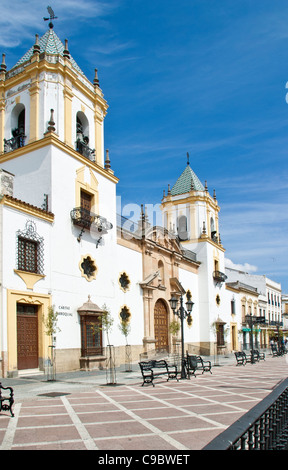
(182, 314)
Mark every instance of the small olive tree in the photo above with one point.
(50, 323)
(51, 328)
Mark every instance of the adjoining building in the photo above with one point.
(66, 251)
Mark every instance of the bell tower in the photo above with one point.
(192, 214)
(48, 106)
(47, 82)
(189, 211)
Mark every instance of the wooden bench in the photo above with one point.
(153, 369)
(242, 358)
(258, 356)
(3, 399)
(194, 363)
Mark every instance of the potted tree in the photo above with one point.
(51, 328)
(125, 329)
(107, 323)
(174, 328)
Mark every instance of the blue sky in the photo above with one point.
(206, 77)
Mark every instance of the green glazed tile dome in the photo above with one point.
(49, 43)
(187, 182)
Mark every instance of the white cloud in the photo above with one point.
(19, 18)
(246, 267)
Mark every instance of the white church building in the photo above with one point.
(65, 250)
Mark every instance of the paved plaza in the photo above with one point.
(79, 411)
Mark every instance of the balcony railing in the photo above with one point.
(86, 219)
(264, 427)
(83, 148)
(17, 141)
(189, 255)
(276, 323)
(219, 277)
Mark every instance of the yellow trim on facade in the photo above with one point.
(219, 247)
(52, 139)
(34, 110)
(128, 311)
(91, 188)
(30, 279)
(234, 336)
(44, 302)
(124, 289)
(91, 278)
(27, 208)
(2, 120)
(68, 95)
(38, 67)
(190, 199)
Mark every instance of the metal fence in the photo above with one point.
(264, 427)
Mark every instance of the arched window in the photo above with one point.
(212, 229)
(161, 273)
(182, 228)
(17, 129)
(82, 136)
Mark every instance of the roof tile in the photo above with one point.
(187, 182)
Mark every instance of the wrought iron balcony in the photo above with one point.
(86, 219)
(17, 141)
(276, 323)
(83, 148)
(254, 319)
(219, 277)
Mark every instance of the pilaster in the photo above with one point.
(34, 109)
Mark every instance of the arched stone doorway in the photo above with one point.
(161, 325)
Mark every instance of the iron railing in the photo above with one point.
(219, 276)
(16, 142)
(83, 148)
(85, 218)
(264, 427)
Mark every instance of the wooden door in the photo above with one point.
(86, 203)
(161, 325)
(27, 336)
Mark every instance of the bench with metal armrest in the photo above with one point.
(152, 369)
(194, 363)
(258, 355)
(242, 358)
(6, 401)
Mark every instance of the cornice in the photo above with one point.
(191, 197)
(52, 139)
(27, 208)
(65, 69)
(207, 239)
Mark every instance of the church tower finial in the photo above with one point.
(188, 163)
(3, 66)
(52, 17)
(96, 79)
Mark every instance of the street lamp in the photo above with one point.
(182, 314)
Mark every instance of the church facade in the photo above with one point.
(67, 254)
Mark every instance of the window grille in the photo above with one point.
(30, 249)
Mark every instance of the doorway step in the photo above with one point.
(29, 372)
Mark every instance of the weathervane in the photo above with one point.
(52, 17)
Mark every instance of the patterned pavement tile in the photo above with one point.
(184, 415)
